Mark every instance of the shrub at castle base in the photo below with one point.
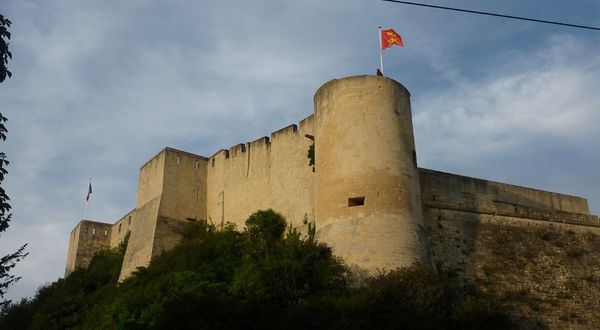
(72, 301)
(264, 277)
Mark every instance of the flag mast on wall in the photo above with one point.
(387, 38)
(87, 200)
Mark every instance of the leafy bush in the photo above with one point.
(263, 277)
(406, 298)
(68, 302)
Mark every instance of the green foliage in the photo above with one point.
(311, 156)
(8, 261)
(5, 54)
(68, 302)
(264, 277)
(265, 230)
(17, 315)
(406, 298)
(288, 270)
(475, 312)
(72, 301)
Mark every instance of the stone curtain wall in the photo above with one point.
(549, 270)
(464, 193)
(266, 173)
(547, 267)
(120, 228)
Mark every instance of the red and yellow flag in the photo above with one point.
(389, 38)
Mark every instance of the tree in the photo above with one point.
(265, 229)
(5, 54)
(8, 261)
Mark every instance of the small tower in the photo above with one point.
(368, 201)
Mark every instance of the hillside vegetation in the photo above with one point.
(264, 277)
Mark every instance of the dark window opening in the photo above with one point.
(190, 219)
(414, 154)
(212, 162)
(120, 227)
(356, 201)
(129, 220)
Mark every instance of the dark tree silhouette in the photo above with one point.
(8, 261)
(5, 54)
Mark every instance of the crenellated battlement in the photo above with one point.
(282, 136)
(290, 129)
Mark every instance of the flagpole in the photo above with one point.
(380, 51)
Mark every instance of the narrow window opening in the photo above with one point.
(129, 220)
(414, 154)
(197, 165)
(356, 201)
(93, 231)
(120, 227)
(105, 232)
(191, 219)
(433, 197)
(177, 159)
(212, 162)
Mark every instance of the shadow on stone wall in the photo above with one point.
(540, 269)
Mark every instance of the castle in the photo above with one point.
(365, 194)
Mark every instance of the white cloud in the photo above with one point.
(531, 121)
(547, 96)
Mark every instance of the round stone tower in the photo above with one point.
(368, 201)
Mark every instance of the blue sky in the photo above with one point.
(99, 87)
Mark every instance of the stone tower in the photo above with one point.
(367, 190)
